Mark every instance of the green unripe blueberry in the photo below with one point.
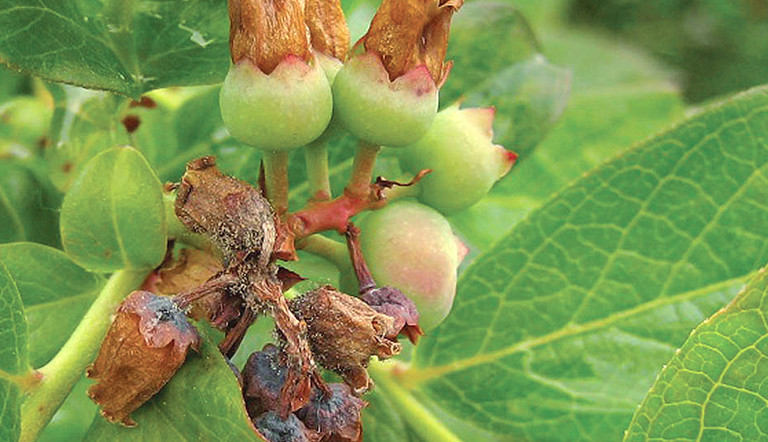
(464, 161)
(411, 246)
(284, 110)
(380, 111)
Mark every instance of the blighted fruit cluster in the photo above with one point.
(295, 83)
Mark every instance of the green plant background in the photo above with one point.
(637, 210)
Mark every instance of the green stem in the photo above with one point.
(362, 169)
(333, 251)
(316, 156)
(66, 368)
(420, 420)
(276, 178)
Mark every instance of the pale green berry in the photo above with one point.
(284, 110)
(410, 246)
(380, 111)
(464, 161)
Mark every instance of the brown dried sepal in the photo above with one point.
(232, 213)
(267, 31)
(392, 302)
(344, 333)
(335, 415)
(411, 33)
(327, 27)
(144, 347)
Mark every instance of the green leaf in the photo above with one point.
(55, 291)
(381, 422)
(126, 47)
(558, 331)
(202, 401)
(597, 125)
(85, 123)
(28, 207)
(113, 216)
(497, 64)
(13, 354)
(714, 386)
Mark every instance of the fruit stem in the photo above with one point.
(63, 371)
(276, 177)
(364, 277)
(333, 251)
(362, 169)
(316, 156)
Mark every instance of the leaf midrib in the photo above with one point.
(415, 376)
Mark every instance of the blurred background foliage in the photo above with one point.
(717, 47)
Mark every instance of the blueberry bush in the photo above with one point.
(313, 220)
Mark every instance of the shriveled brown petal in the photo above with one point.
(232, 213)
(411, 33)
(327, 27)
(392, 302)
(267, 31)
(192, 268)
(263, 378)
(144, 347)
(344, 332)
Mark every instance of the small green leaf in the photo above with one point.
(28, 207)
(113, 216)
(13, 354)
(55, 291)
(714, 386)
(558, 330)
(202, 401)
(127, 47)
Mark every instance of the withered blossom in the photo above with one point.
(267, 31)
(235, 215)
(144, 347)
(275, 428)
(328, 30)
(411, 33)
(344, 332)
(263, 378)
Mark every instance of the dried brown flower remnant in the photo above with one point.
(392, 302)
(144, 347)
(327, 28)
(344, 333)
(263, 378)
(267, 31)
(411, 33)
(232, 213)
(335, 416)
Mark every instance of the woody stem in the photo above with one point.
(316, 156)
(362, 169)
(276, 178)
